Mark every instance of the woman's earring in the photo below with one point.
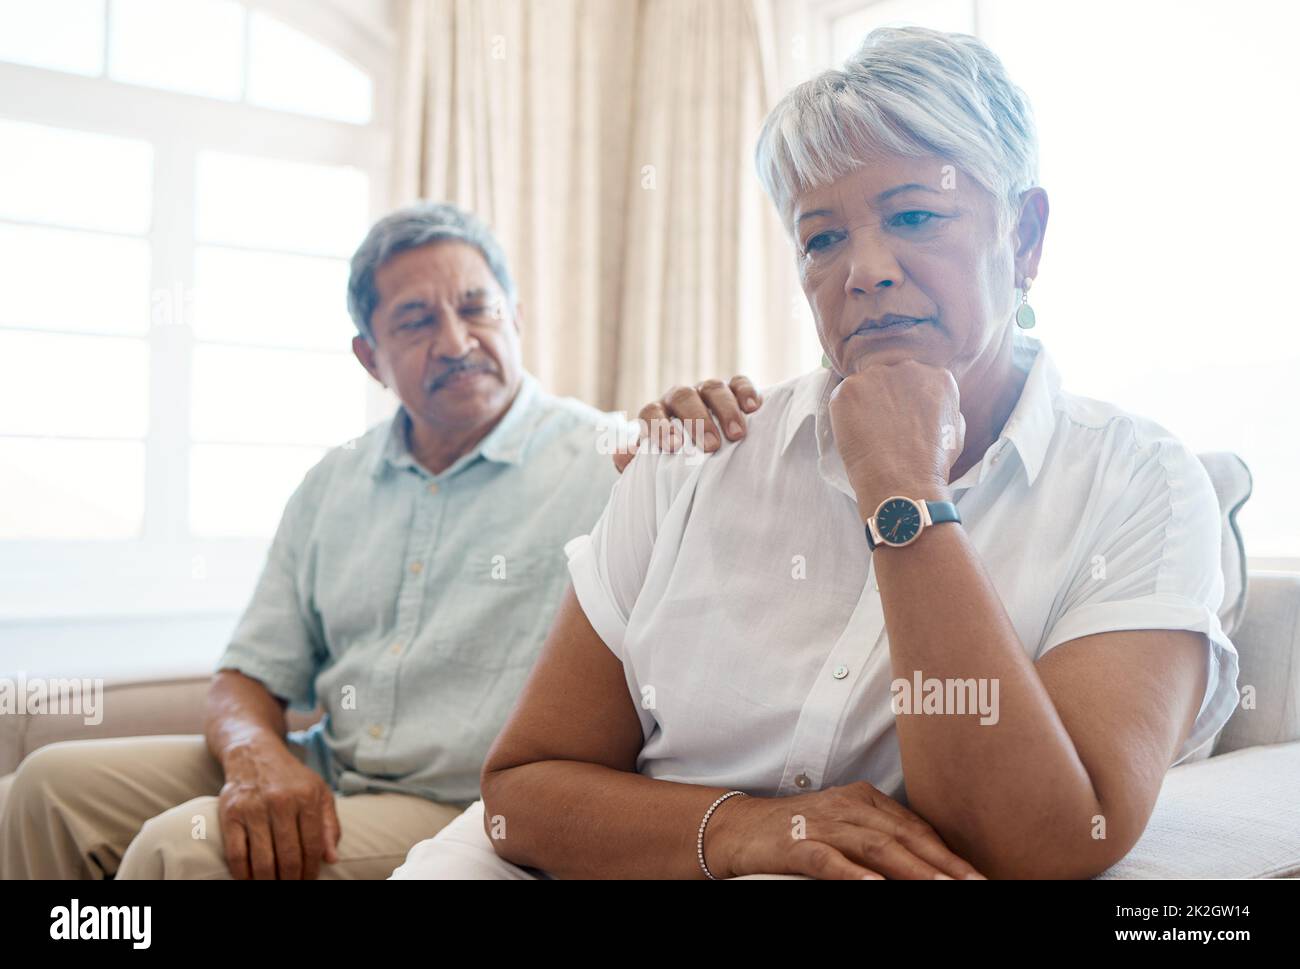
(1024, 312)
(826, 361)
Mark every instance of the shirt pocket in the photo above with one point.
(517, 572)
(512, 599)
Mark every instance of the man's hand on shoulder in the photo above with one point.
(704, 412)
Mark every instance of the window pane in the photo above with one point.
(291, 72)
(241, 490)
(71, 489)
(63, 35)
(193, 46)
(78, 386)
(74, 178)
(272, 299)
(243, 395)
(265, 204)
(67, 280)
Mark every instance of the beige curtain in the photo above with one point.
(609, 143)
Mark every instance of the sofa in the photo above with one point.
(1232, 810)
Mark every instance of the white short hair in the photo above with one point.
(909, 91)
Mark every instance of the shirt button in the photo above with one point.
(840, 672)
(396, 649)
(802, 781)
(433, 489)
(417, 567)
(376, 731)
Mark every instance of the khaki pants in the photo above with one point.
(146, 807)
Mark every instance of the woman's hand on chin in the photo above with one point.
(899, 428)
(854, 831)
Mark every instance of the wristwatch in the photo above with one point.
(899, 521)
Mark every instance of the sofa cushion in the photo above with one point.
(1232, 816)
(1232, 484)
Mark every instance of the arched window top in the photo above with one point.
(220, 49)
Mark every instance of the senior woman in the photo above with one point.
(935, 616)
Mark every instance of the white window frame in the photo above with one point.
(166, 571)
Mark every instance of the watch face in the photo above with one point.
(898, 521)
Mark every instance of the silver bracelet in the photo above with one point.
(699, 843)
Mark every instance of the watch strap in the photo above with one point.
(942, 511)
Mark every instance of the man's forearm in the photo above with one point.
(241, 712)
(577, 820)
(1010, 795)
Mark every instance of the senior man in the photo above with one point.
(407, 591)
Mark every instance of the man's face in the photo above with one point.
(931, 253)
(445, 338)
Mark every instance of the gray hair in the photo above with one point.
(410, 227)
(909, 91)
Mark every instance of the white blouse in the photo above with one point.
(738, 591)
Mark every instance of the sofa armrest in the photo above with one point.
(130, 709)
(134, 708)
(1268, 645)
(1232, 816)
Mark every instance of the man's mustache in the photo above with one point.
(439, 381)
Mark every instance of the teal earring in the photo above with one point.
(1024, 312)
(826, 361)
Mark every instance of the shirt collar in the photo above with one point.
(1029, 428)
(505, 443)
(1033, 420)
(810, 393)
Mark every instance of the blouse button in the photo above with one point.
(840, 672)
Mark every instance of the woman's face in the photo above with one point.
(911, 237)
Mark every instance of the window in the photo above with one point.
(75, 210)
(63, 35)
(212, 48)
(1166, 135)
(182, 183)
(271, 270)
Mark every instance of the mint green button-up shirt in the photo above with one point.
(410, 605)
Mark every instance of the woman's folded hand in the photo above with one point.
(854, 831)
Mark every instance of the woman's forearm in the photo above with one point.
(1006, 795)
(577, 820)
